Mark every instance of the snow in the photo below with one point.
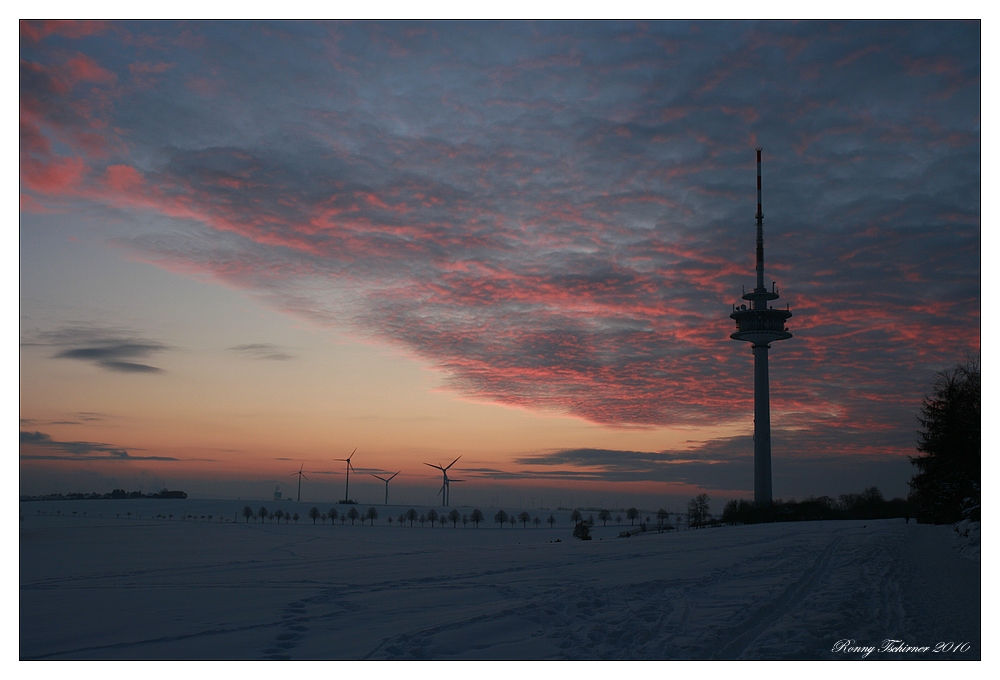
(968, 531)
(109, 587)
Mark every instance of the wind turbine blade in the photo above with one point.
(455, 480)
(453, 462)
(393, 475)
(301, 466)
(440, 490)
(352, 453)
(434, 466)
(304, 477)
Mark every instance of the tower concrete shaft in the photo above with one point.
(761, 325)
(761, 428)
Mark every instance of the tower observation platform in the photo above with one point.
(760, 324)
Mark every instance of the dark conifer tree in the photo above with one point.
(949, 472)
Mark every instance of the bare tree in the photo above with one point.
(402, 520)
(500, 518)
(411, 515)
(575, 516)
(247, 512)
(314, 514)
(536, 521)
(454, 516)
(262, 513)
(432, 516)
(551, 520)
(524, 518)
(604, 516)
(476, 517)
(661, 517)
(698, 510)
(332, 514)
(632, 514)
(295, 518)
(372, 515)
(353, 514)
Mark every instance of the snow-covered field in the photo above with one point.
(112, 587)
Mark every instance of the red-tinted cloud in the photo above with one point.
(56, 175)
(561, 222)
(39, 30)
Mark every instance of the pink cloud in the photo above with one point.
(123, 178)
(60, 175)
(39, 30)
(82, 68)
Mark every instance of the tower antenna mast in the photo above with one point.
(760, 234)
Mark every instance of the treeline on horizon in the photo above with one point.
(476, 517)
(116, 494)
(869, 504)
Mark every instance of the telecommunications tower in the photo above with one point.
(760, 324)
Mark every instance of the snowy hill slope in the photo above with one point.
(237, 590)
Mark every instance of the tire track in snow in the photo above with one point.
(742, 636)
(584, 621)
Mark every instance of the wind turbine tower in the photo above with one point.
(350, 466)
(445, 491)
(760, 325)
(298, 497)
(386, 480)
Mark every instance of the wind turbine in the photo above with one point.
(349, 468)
(450, 482)
(386, 480)
(444, 487)
(298, 497)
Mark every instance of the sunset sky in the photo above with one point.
(247, 247)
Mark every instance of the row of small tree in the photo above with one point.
(263, 513)
(632, 514)
(582, 526)
(411, 516)
(524, 517)
(432, 516)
